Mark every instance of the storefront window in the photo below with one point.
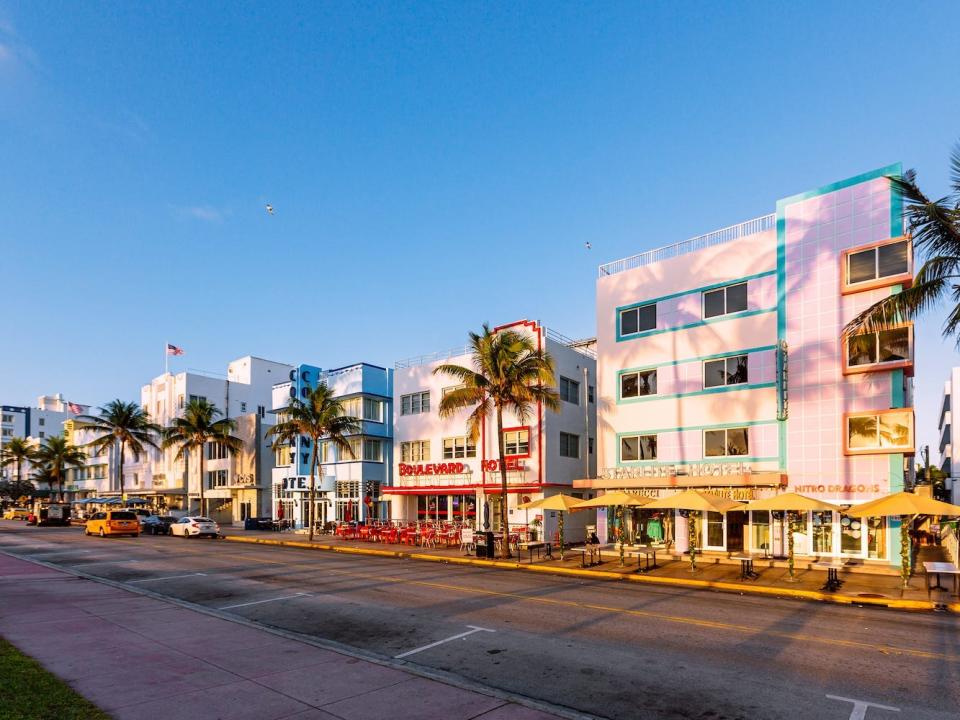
(432, 508)
(822, 522)
(760, 530)
(851, 534)
(464, 509)
(714, 529)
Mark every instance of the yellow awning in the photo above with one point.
(558, 502)
(696, 500)
(616, 498)
(791, 501)
(903, 503)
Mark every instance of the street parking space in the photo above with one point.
(601, 648)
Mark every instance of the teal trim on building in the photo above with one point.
(700, 358)
(688, 326)
(694, 393)
(896, 222)
(721, 426)
(692, 291)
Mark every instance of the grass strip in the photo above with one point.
(28, 692)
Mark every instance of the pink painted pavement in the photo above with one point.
(138, 657)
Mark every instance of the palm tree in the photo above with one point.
(55, 456)
(199, 426)
(16, 452)
(935, 226)
(120, 423)
(319, 416)
(509, 374)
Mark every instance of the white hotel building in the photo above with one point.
(235, 487)
(440, 474)
(36, 423)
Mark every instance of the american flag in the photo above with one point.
(74, 408)
(174, 350)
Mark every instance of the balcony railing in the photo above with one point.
(717, 237)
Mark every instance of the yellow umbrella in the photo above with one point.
(698, 501)
(903, 503)
(791, 502)
(559, 503)
(620, 499)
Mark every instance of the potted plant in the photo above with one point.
(535, 525)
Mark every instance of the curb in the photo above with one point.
(716, 585)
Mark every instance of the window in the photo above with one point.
(284, 455)
(877, 348)
(42, 422)
(261, 411)
(216, 478)
(638, 447)
(415, 403)
(589, 393)
(180, 401)
(726, 371)
(8, 418)
(372, 410)
(243, 408)
(415, 451)
(722, 443)
(7, 432)
(590, 445)
(569, 445)
(569, 390)
(42, 434)
(354, 453)
(459, 447)
(725, 300)
(638, 384)
(447, 390)
(192, 398)
(516, 442)
(883, 431)
(372, 450)
(216, 451)
(883, 264)
(638, 319)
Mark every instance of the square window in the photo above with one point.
(713, 303)
(638, 319)
(714, 443)
(892, 259)
(638, 384)
(861, 267)
(737, 298)
(638, 447)
(725, 300)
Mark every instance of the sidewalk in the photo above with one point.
(874, 586)
(140, 658)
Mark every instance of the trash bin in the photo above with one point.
(251, 523)
(486, 547)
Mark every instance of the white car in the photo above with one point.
(191, 526)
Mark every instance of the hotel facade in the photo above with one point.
(722, 366)
(441, 474)
(349, 485)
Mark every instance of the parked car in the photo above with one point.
(113, 522)
(157, 524)
(16, 513)
(195, 526)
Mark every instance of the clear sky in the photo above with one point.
(432, 166)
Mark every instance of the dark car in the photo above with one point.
(157, 524)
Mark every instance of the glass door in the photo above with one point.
(822, 532)
(714, 530)
(852, 536)
(760, 532)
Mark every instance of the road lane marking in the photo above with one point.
(168, 577)
(260, 602)
(678, 619)
(859, 711)
(102, 562)
(473, 629)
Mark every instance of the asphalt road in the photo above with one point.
(606, 649)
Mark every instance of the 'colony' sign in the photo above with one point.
(692, 470)
(451, 468)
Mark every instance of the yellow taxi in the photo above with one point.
(16, 513)
(113, 522)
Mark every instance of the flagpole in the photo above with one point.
(166, 360)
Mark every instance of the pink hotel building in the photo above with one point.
(722, 366)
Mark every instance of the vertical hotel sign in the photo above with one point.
(783, 404)
(68, 430)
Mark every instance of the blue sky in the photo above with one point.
(432, 166)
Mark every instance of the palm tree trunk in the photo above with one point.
(202, 510)
(313, 487)
(505, 545)
(120, 469)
